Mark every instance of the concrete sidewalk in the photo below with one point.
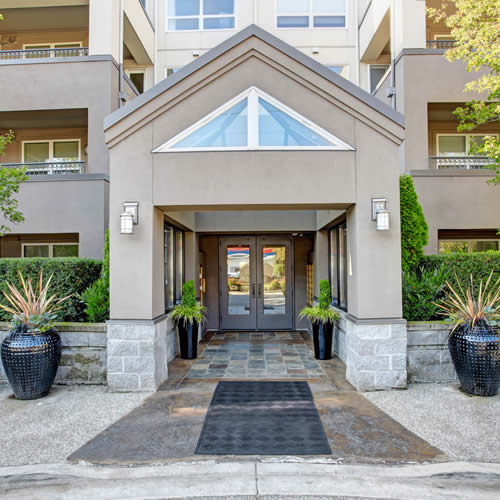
(264, 480)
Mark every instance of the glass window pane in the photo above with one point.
(328, 6)
(376, 74)
(276, 128)
(69, 250)
(329, 21)
(36, 251)
(334, 266)
(67, 150)
(171, 71)
(169, 267)
(183, 8)
(477, 140)
(36, 151)
(274, 267)
(291, 6)
(37, 51)
(452, 246)
(238, 280)
(218, 7)
(138, 81)
(451, 145)
(218, 23)
(179, 265)
(293, 21)
(183, 24)
(342, 266)
(336, 69)
(227, 130)
(484, 246)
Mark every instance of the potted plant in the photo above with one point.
(322, 319)
(32, 350)
(188, 315)
(474, 340)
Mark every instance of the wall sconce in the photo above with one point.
(196, 53)
(129, 217)
(380, 214)
(315, 50)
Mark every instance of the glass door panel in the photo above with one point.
(238, 280)
(274, 275)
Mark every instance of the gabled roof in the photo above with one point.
(241, 36)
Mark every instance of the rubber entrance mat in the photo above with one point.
(262, 418)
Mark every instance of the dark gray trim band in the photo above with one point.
(58, 60)
(69, 178)
(275, 42)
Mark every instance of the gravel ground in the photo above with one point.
(47, 430)
(465, 427)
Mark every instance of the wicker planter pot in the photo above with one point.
(322, 339)
(31, 362)
(476, 355)
(188, 339)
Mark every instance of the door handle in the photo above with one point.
(253, 290)
(259, 291)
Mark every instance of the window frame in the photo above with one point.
(51, 148)
(253, 94)
(51, 248)
(200, 18)
(341, 282)
(173, 70)
(469, 242)
(382, 78)
(467, 141)
(141, 71)
(52, 46)
(166, 229)
(310, 14)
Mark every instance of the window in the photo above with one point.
(253, 120)
(338, 265)
(457, 144)
(38, 50)
(137, 78)
(50, 250)
(188, 15)
(377, 73)
(341, 70)
(467, 246)
(51, 151)
(173, 265)
(170, 71)
(311, 14)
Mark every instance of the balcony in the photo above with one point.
(461, 162)
(10, 55)
(441, 44)
(50, 168)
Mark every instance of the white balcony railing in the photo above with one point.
(462, 162)
(50, 168)
(440, 44)
(9, 55)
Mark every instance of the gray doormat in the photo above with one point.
(262, 418)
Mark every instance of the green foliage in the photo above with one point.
(10, 181)
(96, 296)
(321, 313)
(188, 311)
(414, 229)
(422, 288)
(72, 275)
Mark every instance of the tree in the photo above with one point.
(10, 180)
(414, 229)
(475, 27)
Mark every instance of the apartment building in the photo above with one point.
(64, 66)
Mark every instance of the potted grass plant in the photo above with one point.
(32, 350)
(188, 316)
(474, 340)
(322, 319)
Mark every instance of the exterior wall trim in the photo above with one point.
(451, 172)
(58, 60)
(69, 178)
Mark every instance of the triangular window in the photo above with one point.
(253, 120)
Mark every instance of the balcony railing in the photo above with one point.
(8, 55)
(462, 162)
(50, 168)
(440, 44)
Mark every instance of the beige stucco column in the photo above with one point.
(104, 28)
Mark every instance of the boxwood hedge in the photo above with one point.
(71, 275)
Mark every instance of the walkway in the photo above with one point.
(166, 427)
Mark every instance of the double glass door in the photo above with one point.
(255, 283)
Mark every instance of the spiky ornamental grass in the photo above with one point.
(188, 311)
(321, 313)
(32, 309)
(464, 307)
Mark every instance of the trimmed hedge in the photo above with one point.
(71, 275)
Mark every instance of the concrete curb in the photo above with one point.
(256, 480)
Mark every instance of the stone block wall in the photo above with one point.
(83, 359)
(428, 356)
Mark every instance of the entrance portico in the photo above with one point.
(255, 168)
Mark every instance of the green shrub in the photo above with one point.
(188, 311)
(321, 313)
(96, 296)
(421, 289)
(71, 276)
(414, 229)
(325, 294)
(188, 294)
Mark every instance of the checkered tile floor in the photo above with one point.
(257, 355)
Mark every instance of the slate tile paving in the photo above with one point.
(257, 355)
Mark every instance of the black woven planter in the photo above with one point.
(31, 361)
(476, 355)
(322, 339)
(188, 339)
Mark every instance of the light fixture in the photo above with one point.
(129, 217)
(196, 53)
(315, 50)
(380, 214)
